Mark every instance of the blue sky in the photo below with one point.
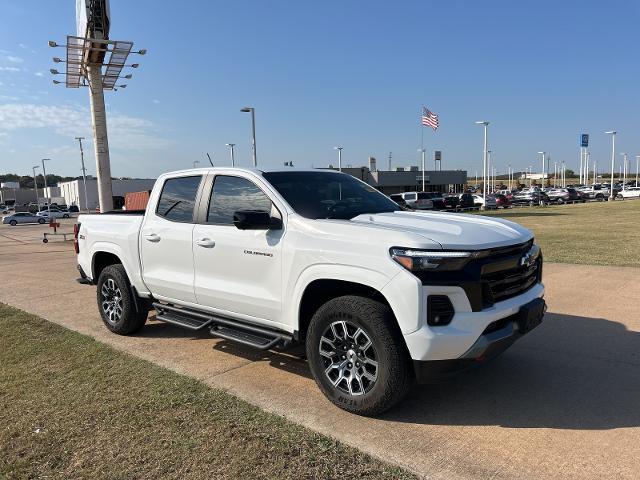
(326, 73)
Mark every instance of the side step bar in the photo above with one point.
(233, 330)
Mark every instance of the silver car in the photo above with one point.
(23, 217)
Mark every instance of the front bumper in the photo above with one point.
(496, 338)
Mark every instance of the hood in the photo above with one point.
(451, 230)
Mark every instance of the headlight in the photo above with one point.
(430, 260)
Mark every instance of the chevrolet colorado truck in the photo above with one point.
(380, 297)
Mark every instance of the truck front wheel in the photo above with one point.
(357, 355)
(116, 303)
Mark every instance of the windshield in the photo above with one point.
(329, 194)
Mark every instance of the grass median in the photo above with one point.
(75, 408)
(595, 233)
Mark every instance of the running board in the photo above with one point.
(226, 328)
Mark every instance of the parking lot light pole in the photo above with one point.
(485, 124)
(84, 175)
(35, 185)
(44, 174)
(542, 171)
(339, 149)
(637, 162)
(624, 170)
(613, 134)
(253, 133)
(233, 158)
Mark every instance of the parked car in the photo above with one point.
(595, 192)
(22, 217)
(629, 192)
(478, 200)
(530, 197)
(502, 201)
(74, 209)
(55, 214)
(270, 258)
(466, 200)
(451, 200)
(397, 197)
(437, 201)
(417, 202)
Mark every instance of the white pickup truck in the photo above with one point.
(381, 297)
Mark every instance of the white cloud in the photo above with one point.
(125, 132)
(9, 69)
(14, 59)
(39, 74)
(156, 101)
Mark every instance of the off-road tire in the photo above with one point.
(394, 372)
(130, 319)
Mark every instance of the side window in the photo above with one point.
(230, 194)
(178, 199)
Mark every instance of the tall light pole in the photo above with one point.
(544, 154)
(233, 157)
(613, 134)
(637, 162)
(84, 175)
(339, 149)
(509, 176)
(44, 174)
(530, 174)
(423, 152)
(624, 170)
(485, 124)
(253, 132)
(35, 185)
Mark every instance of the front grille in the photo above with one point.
(505, 284)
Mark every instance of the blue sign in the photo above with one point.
(584, 140)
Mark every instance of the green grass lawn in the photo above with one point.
(75, 408)
(596, 233)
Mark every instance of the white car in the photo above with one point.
(478, 200)
(22, 217)
(55, 214)
(629, 192)
(379, 296)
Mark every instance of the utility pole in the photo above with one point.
(84, 175)
(423, 151)
(390, 161)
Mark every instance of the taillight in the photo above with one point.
(76, 232)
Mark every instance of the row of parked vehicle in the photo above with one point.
(41, 215)
(506, 198)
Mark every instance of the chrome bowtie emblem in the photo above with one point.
(527, 260)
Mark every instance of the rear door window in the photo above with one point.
(178, 198)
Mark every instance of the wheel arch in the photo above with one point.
(320, 290)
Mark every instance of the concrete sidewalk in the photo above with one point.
(563, 402)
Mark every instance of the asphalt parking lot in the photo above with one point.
(562, 402)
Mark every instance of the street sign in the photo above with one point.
(438, 156)
(584, 140)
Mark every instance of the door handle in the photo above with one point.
(152, 237)
(205, 242)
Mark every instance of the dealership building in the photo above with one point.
(73, 191)
(409, 179)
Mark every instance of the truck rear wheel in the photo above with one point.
(357, 355)
(116, 303)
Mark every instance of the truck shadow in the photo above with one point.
(570, 373)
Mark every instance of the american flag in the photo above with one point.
(429, 119)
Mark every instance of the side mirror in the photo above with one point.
(255, 220)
